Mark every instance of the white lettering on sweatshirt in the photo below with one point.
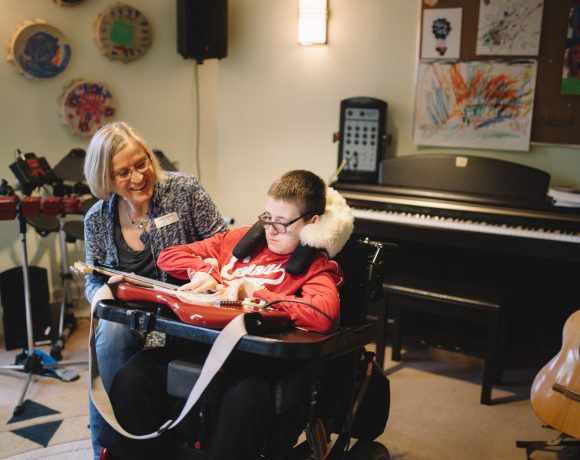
(259, 274)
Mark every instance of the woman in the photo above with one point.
(141, 211)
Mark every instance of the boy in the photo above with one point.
(299, 209)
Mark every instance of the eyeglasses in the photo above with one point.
(123, 174)
(279, 227)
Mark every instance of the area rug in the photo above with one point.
(45, 422)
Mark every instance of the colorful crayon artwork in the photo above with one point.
(479, 104)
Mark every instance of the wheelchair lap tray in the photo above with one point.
(182, 375)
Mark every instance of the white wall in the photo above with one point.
(279, 102)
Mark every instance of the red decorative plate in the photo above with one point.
(85, 106)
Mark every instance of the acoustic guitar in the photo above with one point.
(555, 394)
(207, 310)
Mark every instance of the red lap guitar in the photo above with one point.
(205, 310)
(555, 394)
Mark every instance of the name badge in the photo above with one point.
(165, 220)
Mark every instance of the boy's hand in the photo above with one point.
(212, 261)
(200, 282)
(239, 289)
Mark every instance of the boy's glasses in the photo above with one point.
(279, 227)
(123, 174)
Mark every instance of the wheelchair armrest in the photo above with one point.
(182, 375)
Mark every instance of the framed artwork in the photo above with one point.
(85, 106)
(479, 104)
(441, 33)
(38, 50)
(509, 27)
(123, 33)
(571, 71)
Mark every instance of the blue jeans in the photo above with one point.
(115, 344)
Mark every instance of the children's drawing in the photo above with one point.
(509, 27)
(571, 73)
(441, 37)
(480, 104)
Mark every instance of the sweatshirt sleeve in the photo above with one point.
(320, 290)
(175, 260)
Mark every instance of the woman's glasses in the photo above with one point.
(279, 227)
(123, 174)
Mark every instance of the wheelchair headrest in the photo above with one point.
(298, 263)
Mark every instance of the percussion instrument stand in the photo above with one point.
(64, 330)
(32, 363)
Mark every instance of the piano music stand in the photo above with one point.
(32, 363)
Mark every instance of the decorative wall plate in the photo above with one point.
(38, 50)
(68, 2)
(122, 33)
(85, 106)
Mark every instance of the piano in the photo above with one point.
(476, 219)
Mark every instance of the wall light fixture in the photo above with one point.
(312, 22)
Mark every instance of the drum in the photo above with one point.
(74, 230)
(44, 224)
(7, 207)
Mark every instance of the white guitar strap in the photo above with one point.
(219, 352)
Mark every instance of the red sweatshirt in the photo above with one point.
(317, 285)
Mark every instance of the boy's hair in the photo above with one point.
(303, 188)
(104, 145)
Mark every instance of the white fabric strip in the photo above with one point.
(220, 350)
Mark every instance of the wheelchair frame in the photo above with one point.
(314, 349)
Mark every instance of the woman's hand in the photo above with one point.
(239, 289)
(200, 282)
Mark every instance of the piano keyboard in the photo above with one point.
(426, 220)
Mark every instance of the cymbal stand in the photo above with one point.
(32, 363)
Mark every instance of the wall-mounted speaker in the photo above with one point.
(202, 29)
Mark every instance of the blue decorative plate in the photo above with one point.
(38, 50)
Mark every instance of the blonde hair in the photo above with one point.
(104, 145)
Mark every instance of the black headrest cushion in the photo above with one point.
(298, 263)
(249, 241)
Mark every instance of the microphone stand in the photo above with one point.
(32, 363)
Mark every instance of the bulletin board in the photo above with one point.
(556, 116)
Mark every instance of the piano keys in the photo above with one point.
(473, 215)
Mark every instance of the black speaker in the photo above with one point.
(13, 305)
(202, 29)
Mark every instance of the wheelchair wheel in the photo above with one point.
(368, 451)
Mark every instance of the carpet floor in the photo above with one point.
(46, 422)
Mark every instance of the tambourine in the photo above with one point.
(68, 2)
(123, 33)
(85, 106)
(38, 50)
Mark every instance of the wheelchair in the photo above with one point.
(341, 395)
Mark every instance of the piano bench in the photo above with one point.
(450, 299)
